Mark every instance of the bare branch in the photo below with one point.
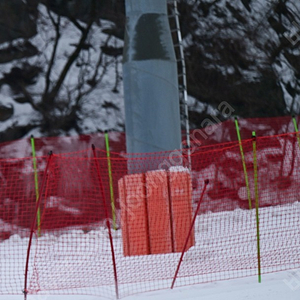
(77, 24)
(51, 96)
(28, 97)
(117, 76)
(53, 55)
(93, 80)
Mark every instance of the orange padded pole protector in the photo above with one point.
(134, 215)
(122, 199)
(180, 186)
(158, 212)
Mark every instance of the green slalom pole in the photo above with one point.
(296, 130)
(112, 198)
(36, 183)
(256, 203)
(243, 161)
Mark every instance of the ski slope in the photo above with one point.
(277, 286)
(137, 269)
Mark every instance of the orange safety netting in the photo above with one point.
(117, 226)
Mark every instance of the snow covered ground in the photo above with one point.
(225, 248)
(277, 286)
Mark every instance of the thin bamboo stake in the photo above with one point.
(107, 222)
(296, 130)
(243, 161)
(206, 182)
(25, 291)
(256, 203)
(111, 187)
(36, 183)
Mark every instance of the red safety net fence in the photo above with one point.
(214, 132)
(83, 223)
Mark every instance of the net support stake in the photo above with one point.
(243, 161)
(296, 130)
(25, 291)
(206, 182)
(256, 203)
(107, 222)
(36, 183)
(111, 188)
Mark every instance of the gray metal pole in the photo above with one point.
(152, 117)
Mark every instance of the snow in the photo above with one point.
(216, 245)
(93, 115)
(278, 286)
(179, 169)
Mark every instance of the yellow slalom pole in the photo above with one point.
(296, 130)
(111, 188)
(36, 183)
(243, 161)
(256, 203)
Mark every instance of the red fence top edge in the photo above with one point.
(208, 139)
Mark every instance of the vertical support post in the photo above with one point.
(25, 291)
(150, 79)
(111, 188)
(107, 222)
(256, 202)
(296, 130)
(206, 182)
(36, 183)
(243, 161)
